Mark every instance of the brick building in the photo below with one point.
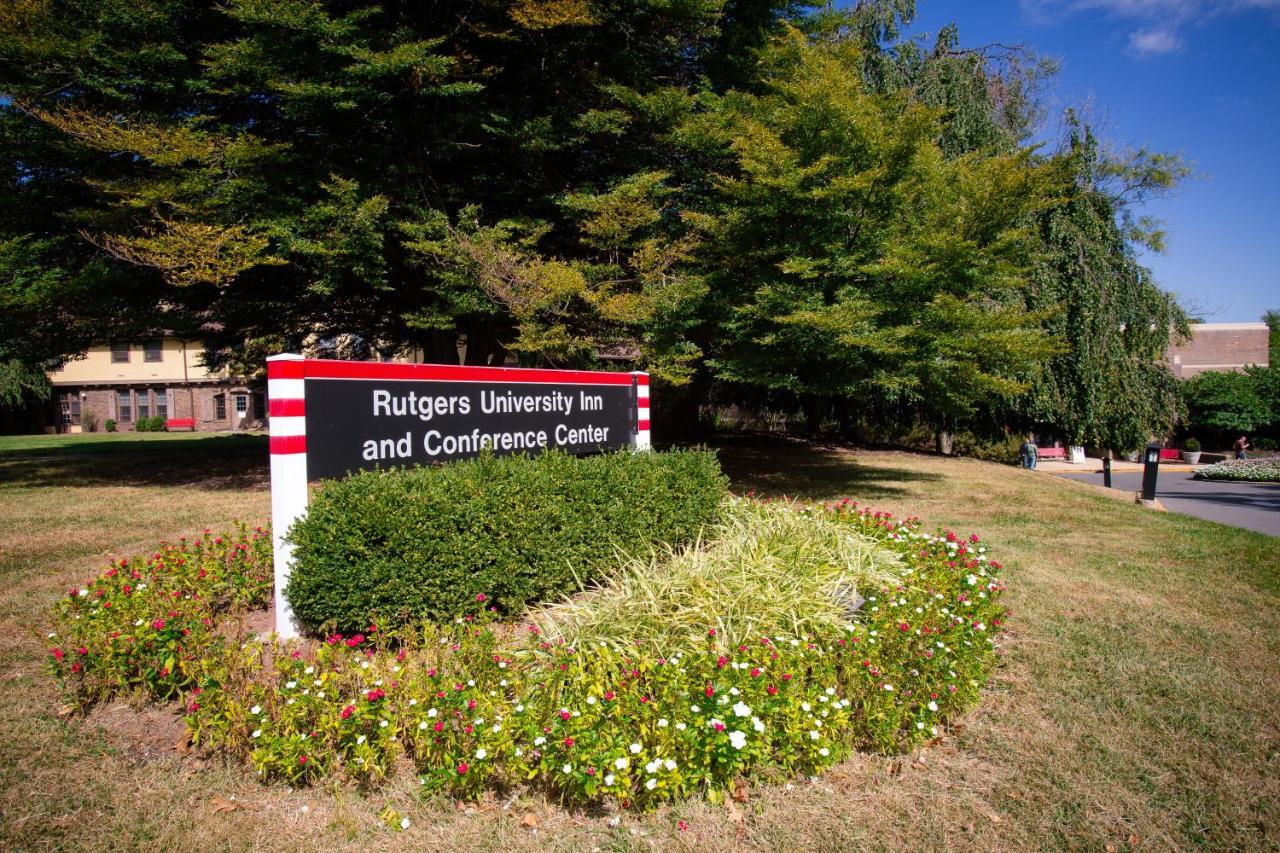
(1220, 346)
(124, 382)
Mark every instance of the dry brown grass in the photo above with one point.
(1138, 704)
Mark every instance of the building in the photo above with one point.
(1220, 346)
(125, 382)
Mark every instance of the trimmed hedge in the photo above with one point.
(423, 543)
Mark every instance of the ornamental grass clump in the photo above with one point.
(1245, 470)
(765, 570)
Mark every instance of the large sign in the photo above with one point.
(331, 418)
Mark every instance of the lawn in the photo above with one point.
(1137, 705)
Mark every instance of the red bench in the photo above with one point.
(180, 423)
(1170, 454)
(1051, 453)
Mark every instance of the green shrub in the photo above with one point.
(422, 543)
(1191, 445)
(110, 425)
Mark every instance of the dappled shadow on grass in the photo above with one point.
(222, 462)
(775, 466)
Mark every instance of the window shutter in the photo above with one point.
(111, 405)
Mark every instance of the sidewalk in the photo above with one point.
(1094, 466)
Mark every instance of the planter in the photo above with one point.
(1191, 457)
(1075, 454)
(1131, 456)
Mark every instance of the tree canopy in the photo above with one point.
(776, 198)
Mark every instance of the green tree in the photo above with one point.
(848, 256)
(1110, 387)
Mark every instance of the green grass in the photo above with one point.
(1137, 703)
(116, 442)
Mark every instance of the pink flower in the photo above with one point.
(568, 741)
(158, 624)
(564, 715)
(480, 596)
(348, 711)
(682, 826)
(755, 672)
(463, 768)
(355, 641)
(772, 691)
(302, 759)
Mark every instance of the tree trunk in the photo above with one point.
(945, 441)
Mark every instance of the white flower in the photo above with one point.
(733, 691)
(256, 709)
(291, 685)
(824, 752)
(257, 732)
(621, 763)
(737, 739)
(591, 700)
(568, 768)
(413, 702)
(742, 709)
(662, 724)
(933, 706)
(422, 726)
(650, 784)
(135, 624)
(681, 727)
(813, 734)
(608, 779)
(360, 740)
(481, 754)
(519, 708)
(82, 593)
(432, 712)
(404, 823)
(888, 687)
(364, 664)
(519, 752)
(806, 707)
(539, 740)
(635, 748)
(471, 683)
(652, 766)
(757, 724)
(497, 727)
(831, 691)
(309, 670)
(669, 764)
(382, 724)
(694, 708)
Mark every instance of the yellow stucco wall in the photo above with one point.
(97, 367)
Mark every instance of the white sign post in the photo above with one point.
(374, 414)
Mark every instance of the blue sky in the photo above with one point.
(1200, 77)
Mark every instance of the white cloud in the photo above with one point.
(1156, 23)
(1153, 42)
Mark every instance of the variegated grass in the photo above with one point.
(765, 570)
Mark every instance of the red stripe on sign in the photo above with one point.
(642, 379)
(325, 369)
(642, 425)
(288, 407)
(288, 444)
(286, 369)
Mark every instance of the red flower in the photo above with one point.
(75, 667)
(302, 759)
(158, 624)
(719, 727)
(721, 661)
(348, 711)
(439, 726)
(755, 672)
(608, 695)
(711, 633)
(564, 715)
(710, 691)
(463, 768)
(771, 690)
(682, 826)
(82, 651)
(568, 741)
(786, 676)
(57, 654)
(480, 596)
(355, 641)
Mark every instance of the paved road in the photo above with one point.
(1255, 506)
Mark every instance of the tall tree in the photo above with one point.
(1111, 387)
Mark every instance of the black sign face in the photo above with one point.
(358, 424)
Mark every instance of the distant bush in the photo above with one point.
(1191, 445)
(110, 425)
(152, 424)
(1251, 470)
(422, 543)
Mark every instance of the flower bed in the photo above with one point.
(473, 705)
(1249, 470)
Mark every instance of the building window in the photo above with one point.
(162, 403)
(69, 402)
(144, 404)
(219, 407)
(124, 406)
(259, 405)
(242, 405)
(119, 353)
(153, 351)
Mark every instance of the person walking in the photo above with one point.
(1241, 445)
(1028, 453)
